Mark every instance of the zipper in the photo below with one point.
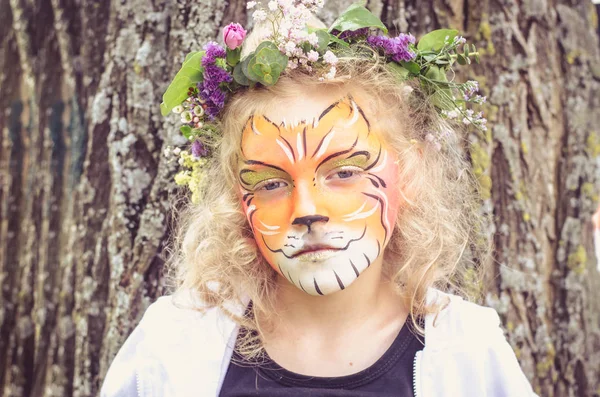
(416, 367)
(138, 383)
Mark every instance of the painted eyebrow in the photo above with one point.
(255, 162)
(337, 154)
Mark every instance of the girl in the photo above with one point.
(334, 210)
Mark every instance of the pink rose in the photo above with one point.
(233, 35)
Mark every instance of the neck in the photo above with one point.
(370, 297)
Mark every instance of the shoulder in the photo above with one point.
(466, 351)
(458, 321)
(177, 339)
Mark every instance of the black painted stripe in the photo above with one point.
(365, 118)
(376, 160)
(250, 219)
(368, 260)
(337, 154)
(360, 153)
(301, 286)
(256, 162)
(328, 110)
(321, 143)
(355, 269)
(304, 140)
(339, 280)
(269, 120)
(289, 146)
(381, 204)
(317, 287)
(374, 182)
(379, 179)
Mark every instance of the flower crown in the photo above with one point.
(208, 78)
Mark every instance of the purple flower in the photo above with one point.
(470, 88)
(210, 90)
(198, 149)
(213, 51)
(398, 48)
(348, 35)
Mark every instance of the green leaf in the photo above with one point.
(191, 54)
(239, 76)
(186, 130)
(266, 64)
(461, 59)
(324, 38)
(357, 17)
(435, 40)
(330, 39)
(441, 95)
(466, 48)
(397, 70)
(411, 66)
(335, 39)
(233, 56)
(189, 74)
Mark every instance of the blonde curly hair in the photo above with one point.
(438, 233)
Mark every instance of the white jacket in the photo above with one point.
(177, 351)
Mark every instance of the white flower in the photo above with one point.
(452, 114)
(198, 110)
(313, 39)
(259, 16)
(459, 40)
(292, 64)
(406, 90)
(250, 5)
(330, 58)
(290, 46)
(272, 5)
(186, 116)
(177, 109)
(331, 74)
(167, 151)
(176, 151)
(313, 56)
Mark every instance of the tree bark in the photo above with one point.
(86, 195)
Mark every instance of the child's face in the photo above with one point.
(321, 197)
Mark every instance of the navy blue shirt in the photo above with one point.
(391, 375)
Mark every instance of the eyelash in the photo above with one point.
(355, 171)
(263, 185)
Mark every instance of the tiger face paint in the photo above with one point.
(321, 196)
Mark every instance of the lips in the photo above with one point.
(314, 248)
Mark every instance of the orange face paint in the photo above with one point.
(321, 196)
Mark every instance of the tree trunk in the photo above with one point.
(86, 194)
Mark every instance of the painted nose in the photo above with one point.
(309, 220)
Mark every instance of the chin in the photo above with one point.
(325, 272)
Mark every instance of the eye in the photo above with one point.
(344, 173)
(271, 185)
